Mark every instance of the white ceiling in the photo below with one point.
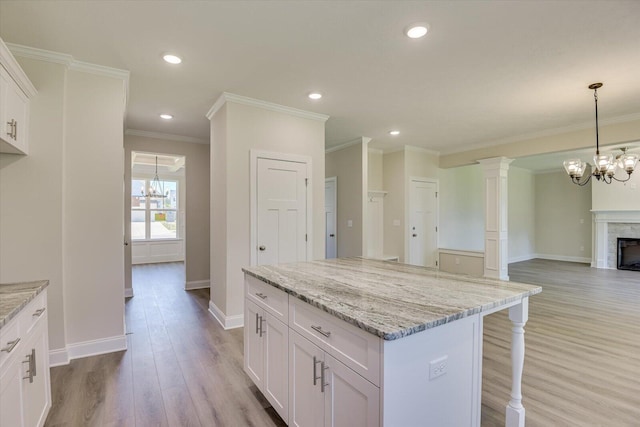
(488, 71)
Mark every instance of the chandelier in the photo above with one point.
(604, 165)
(156, 188)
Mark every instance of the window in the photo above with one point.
(154, 217)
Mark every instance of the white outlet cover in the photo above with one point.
(438, 367)
(396, 223)
(349, 223)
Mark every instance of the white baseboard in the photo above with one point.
(96, 347)
(128, 292)
(522, 258)
(582, 260)
(227, 322)
(58, 357)
(197, 284)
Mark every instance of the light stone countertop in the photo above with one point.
(15, 296)
(389, 299)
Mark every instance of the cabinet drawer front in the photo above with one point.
(266, 296)
(8, 344)
(33, 314)
(354, 347)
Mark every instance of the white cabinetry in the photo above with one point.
(15, 91)
(266, 342)
(25, 390)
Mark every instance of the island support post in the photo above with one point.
(519, 314)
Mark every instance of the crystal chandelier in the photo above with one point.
(156, 188)
(604, 165)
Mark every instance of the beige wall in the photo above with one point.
(374, 170)
(350, 166)
(420, 163)
(394, 203)
(62, 206)
(235, 130)
(562, 217)
(31, 197)
(617, 196)
(197, 180)
(521, 206)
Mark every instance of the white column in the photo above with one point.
(519, 314)
(496, 235)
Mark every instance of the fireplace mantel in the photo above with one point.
(602, 257)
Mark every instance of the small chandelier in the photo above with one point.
(156, 189)
(604, 165)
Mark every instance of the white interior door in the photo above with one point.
(281, 212)
(423, 240)
(331, 213)
(375, 231)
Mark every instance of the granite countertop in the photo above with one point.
(389, 299)
(14, 296)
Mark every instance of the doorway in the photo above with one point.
(423, 222)
(331, 216)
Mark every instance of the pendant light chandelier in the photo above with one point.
(156, 188)
(604, 165)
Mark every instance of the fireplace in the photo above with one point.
(628, 254)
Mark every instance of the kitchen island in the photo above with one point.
(354, 341)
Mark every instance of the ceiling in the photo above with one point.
(488, 71)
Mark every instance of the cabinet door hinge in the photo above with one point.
(436, 194)
(306, 182)
(436, 263)
(436, 229)
(305, 238)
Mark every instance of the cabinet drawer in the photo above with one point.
(266, 296)
(354, 347)
(8, 336)
(32, 314)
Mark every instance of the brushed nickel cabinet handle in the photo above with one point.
(262, 320)
(323, 368)
(320, 331)
(39, 312)
(261, 295)
(11, 345)
(10, 124)
(31, 360)
(15, 130)
(315, 375)
(257, 323)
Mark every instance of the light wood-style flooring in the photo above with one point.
(582, 365)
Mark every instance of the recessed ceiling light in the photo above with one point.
(415, 31)
(166, 116)
(172, 59)
(315, 95)
(394, 132)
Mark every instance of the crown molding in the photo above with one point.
(375, 150)
(13, 68)
(165, 136)
(361, 140)
(421, 150)
(239, 99)
(542, 134)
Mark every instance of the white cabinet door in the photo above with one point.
(37, 397)
(11, 401)
(306, 399)
(14, 123)
(253, 348)
(276, 379)
(350, 399)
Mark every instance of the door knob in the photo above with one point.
(262, 247)
(414, 235)
(332, 235)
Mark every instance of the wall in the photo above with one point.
(237, 128)
(347, 165)
(394, 203)
(61, 206)
(31, 197)
(197, 159)
(617, 196)
(462, 208)
(374, 170)
(521, 205)
(562, 218)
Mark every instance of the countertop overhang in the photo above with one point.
(389, 299)
(15, 296)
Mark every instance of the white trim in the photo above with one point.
(362, 139)
(58, 357)
(375, 150)
(165, 136)
(522, 258)
(97, 347)
(333, 179)
(227, 322)
(14, 70)
(239, 99)
(128, 292)
(582, 260)
(197, 284)
(421, 150)
(254, 155)
(461, 252)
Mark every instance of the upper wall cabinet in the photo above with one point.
(15, 91)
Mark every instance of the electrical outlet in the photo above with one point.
(581, 221)
(581, 248)
(438, 367)
(349, 223)
(457, 261)
(396, 223)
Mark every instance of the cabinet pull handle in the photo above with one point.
(38, 312)
(261, 295)
(315, 375)
(320, 331)
(15, 130)
(31, 360)
(323, 368)
(257, 327)
(262, 320)
(10, 124)
(11, 345)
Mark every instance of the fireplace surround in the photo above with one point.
(628, 254)
(608, 227)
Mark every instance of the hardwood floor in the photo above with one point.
(582, 364)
